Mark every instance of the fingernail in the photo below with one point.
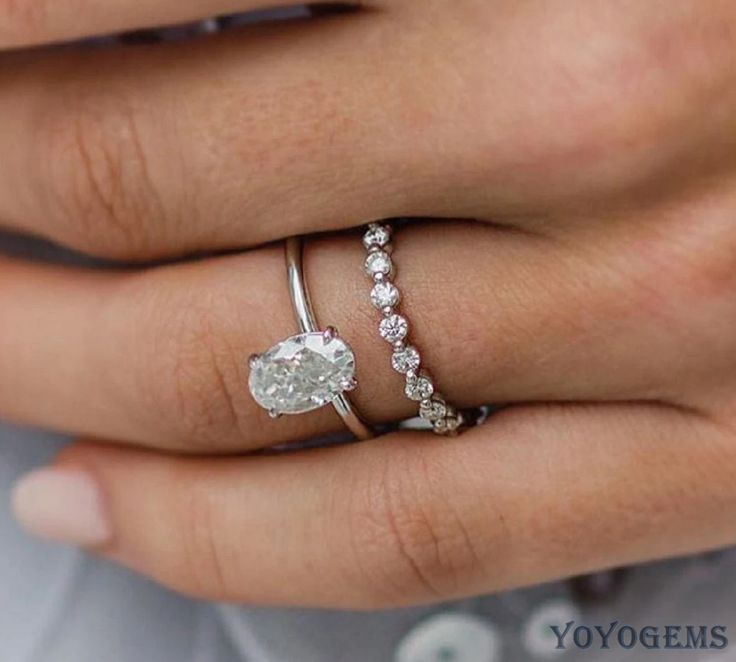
(63, 505)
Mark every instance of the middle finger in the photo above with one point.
(121, 152)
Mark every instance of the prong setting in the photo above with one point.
(350, 385)
(394, 329)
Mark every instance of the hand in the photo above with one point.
(599, 140)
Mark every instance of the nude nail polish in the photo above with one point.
(62, 505)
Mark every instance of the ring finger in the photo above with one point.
(159, 357)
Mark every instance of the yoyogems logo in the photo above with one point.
(652, 637)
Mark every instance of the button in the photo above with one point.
(451, 637)
(536, 633)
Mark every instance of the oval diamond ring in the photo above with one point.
(310, 369)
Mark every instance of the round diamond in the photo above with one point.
(406, 359)
(433, 410)
(377, 235)
(384, 295)
(419, 388)
(448, 425)
(440, 426)
(378, 262)
(393, 328)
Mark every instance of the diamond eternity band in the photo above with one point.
(444, 418)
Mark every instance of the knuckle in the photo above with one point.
(205, 558)
(410, 543)
(200, 399)
(688, 267)
(96, 174)
(707, 270)
(641, 95)
(649, 101)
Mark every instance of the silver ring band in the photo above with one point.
(444, 418)
(310, 369)
(307, 323)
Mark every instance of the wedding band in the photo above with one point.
(310, 369)
(419, 387)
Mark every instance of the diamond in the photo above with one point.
(440, 426)
(406, 359)
(433, 410)
(302, 373)
(419, 388)
(384, 295)
(378, 262)
(393, 328)
(450, 424)
(377, 235)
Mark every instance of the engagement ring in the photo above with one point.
(310, 369)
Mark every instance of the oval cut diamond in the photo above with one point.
(302, 373)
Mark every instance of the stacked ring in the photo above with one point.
(394, 329)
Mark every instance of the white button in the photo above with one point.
(451, 637)
(536, 633)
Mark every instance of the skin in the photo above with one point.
(594, 145)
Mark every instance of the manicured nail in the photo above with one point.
(63, 505)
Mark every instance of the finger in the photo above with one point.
(124, 154)
(33, 22)
(536, 494)
(274, 131)
(160, 357)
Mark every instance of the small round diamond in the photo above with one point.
(405, 360)
(393, 328)
(377, 235)
(450, 424)
(378, 262)
(419, 388)
(440, 426)
(384, 295)
(433, 410)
